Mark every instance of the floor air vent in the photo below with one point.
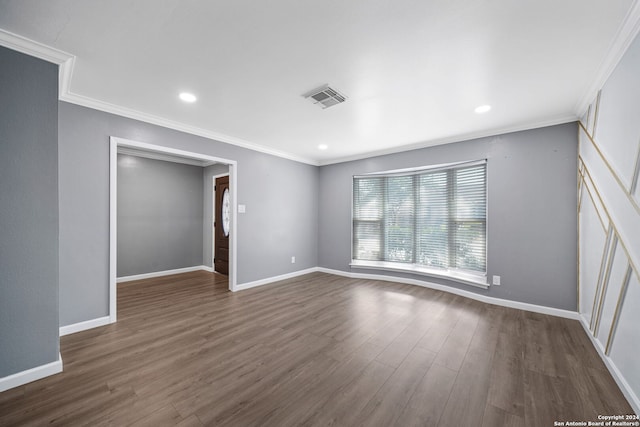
(325, 96)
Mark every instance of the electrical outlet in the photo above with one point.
(293, 260)
(496, 280)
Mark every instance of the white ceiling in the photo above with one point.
(413, 71)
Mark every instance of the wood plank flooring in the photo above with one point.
(317, 350)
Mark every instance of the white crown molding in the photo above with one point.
(171, 124)
(458, 138)
(30, 375)
(30, 47)
(65, 74)
(33, 48)
(624, 37)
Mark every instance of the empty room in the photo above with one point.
(360, 213)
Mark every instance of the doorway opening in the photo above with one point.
(166, 153)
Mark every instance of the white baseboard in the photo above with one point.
(268, 280)
(83, 326)
(162, 273)
(632, 398)
(33, 374)
(478, 297)
(482, 298)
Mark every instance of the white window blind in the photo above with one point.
(430, 218)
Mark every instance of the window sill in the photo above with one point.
(477, 280)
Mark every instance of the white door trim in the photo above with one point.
(114, 143)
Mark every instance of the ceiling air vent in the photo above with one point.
(325, 96)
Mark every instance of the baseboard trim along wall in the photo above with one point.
(633, 400)
(83, 326)
(268, 280)
(33, 374)
(101, 321)
(482, 298)
(163, 273)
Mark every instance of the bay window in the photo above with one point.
(428, 220)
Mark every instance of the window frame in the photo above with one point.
(468, 277)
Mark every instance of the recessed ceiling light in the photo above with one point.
(323, 147)
(188, 97)
(482, 109)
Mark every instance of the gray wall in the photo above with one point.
(28, 212)
(160, 214)
(280, 195)
(531, 213)
(207, 228)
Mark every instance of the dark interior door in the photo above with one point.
(222, 225)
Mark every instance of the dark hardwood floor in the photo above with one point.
(317, 350)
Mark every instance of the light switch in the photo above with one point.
(242, 208)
